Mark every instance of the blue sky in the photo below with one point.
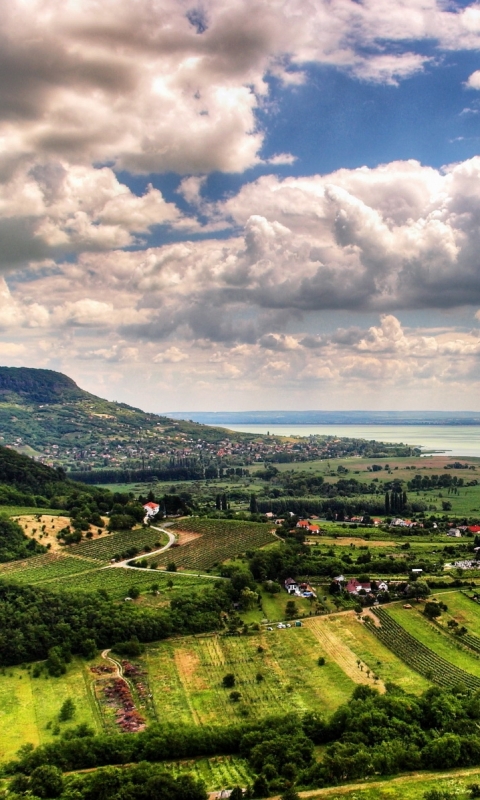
(244, 203)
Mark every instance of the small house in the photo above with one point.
(354, 587)
(151, 509)
(291, 586)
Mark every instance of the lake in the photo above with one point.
(453, 440)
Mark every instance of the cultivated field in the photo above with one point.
(46, 567)
(217, 541)
(186, 677)
(406, 787)
(217, 773)
(350, 640)
(119, 545)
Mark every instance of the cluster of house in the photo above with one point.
(460, 530)
(355, 587)
(298, 589)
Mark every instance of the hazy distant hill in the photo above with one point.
(331, 417)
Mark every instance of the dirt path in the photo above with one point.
(118, 667)
(338, 651)
(412, 777)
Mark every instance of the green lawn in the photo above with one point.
(28, 705)
(20, 511)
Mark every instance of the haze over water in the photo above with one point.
(453, 440)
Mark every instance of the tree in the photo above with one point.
(235, 696)
(171, 566)
(67, 710)
(218, 502)
(253, 504)
(56, 662)
(248, 598)
(432, 610)
(46, 781)
(321, 661)
(228, 681)
(290, 794)
(224, 502)
(236, 793)
(260, 787)
(134, 592)
(387, 503)
(291, 609)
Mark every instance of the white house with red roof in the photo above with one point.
(151, 509)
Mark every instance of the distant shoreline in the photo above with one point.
(328, 418)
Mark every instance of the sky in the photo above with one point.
(243, 204)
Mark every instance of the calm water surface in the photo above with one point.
(461, 440)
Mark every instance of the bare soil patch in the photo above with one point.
(183, 537)
(44, 528)
(188, 665)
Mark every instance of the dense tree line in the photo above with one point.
(33, 620)
(335, 505)
(13, 542)
(139, 782)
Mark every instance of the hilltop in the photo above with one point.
(46, 415)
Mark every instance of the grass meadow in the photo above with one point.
(29, 707)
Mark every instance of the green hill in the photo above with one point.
(45, 414)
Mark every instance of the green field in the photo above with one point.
(186, 677)
(217, 773)
(28, 705)
(117, 581)
(373, 653)
(19, 511)
(116, 544)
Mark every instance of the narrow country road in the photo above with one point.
(126, 562)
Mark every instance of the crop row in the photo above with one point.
(217, 772)
(218, 542)
(419, 656)
(117, 544)
(118, 581)
(207, 526)
(46, 567)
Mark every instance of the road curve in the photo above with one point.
(126, 562)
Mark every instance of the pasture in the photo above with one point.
(29, 706)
